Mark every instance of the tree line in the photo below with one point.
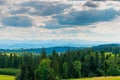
(70, 64)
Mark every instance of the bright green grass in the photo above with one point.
(7, 77)
(100, 78)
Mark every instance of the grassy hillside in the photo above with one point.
(100, 78)
(7, 77)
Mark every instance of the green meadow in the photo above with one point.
(7, 77)
(100, 78)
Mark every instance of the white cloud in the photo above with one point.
(108, 30)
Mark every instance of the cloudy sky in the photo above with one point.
(95, 20)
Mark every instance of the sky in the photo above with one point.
(94, 20)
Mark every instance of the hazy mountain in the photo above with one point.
(15, 44)
(114, 48)
(38, 50)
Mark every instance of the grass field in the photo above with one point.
(7, 77)
(100, 78)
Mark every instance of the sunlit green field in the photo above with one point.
(100, 78)
(7, 77)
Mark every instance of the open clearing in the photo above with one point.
(7, 77)
(100, 78)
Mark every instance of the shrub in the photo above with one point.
(9, 71)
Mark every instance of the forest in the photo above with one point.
(88, 62)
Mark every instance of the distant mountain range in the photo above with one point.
(114, 48)
(50, 45)
(38, 50)
(26, 44)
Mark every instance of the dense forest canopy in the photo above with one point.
(87, 62)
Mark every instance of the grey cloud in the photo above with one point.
(98, 0)
(52, 24)
(91, 4)
(20, 11)
(86, 17)
(42, 8)
(17, 21)
(105, 0)
(2, 2)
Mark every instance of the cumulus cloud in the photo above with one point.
(98, 0)
(53, 24)
(41, 8)
(17, 21)
(87, 17)
(91, 4)
(20, 11)
(2, 2)
(105, 0)
(59, 19)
